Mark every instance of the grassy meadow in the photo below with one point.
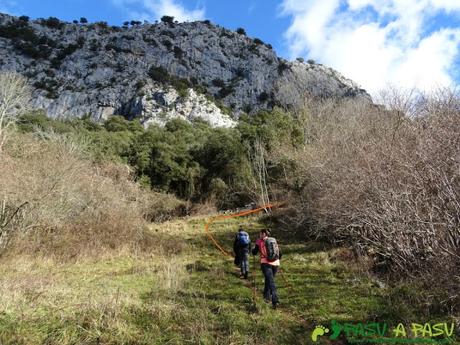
(184, 291)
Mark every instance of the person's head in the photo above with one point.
(240, 228)
(264, 233)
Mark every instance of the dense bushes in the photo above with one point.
(258, 41)
(379, 181)
(103, 142)
(159, 74)
(56, 202)
(26, 40)
(18, 30)
(47, 84)
(274, 129)
(241, 31)
(178, 52)
(167, 19)
(282, 66)
(386, 184)
(184, 158)
(225, 91)
(193, 161)
(31, 49)
(53, 23)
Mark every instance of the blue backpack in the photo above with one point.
(243, 238)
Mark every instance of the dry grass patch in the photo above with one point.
(383, 183)
(57, 203)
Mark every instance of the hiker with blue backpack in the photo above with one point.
(241, 247)
(270, 256)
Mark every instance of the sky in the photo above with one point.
(377, 43)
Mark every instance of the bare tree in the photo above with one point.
(14, 99)
(259, 176)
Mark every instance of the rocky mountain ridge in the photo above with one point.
(158, 71)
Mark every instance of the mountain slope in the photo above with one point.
(100, 70)
(186, 291)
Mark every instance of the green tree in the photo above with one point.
(167, 19)
(272, 127)
(223, 157)
(241, 31)
(163, 154)
(120, 124)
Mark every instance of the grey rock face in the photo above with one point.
(159, 105)
(99, 70)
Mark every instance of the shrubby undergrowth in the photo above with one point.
(383, 181)
(74, 187)
(191, 160)
(386, 182)
(56, 202)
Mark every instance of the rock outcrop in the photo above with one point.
(158, 71)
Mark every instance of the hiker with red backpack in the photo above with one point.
(270, 256)
(241, 247)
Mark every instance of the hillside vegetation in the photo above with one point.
(387, 184)
(101, 243)
(182, 291)
(57, 203)
(192, 160)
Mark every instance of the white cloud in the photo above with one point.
(448, 5)
(377, 42)
(8, 6)
(155, 9)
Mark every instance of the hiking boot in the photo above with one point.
(246, 275)
(275, 305)
(241, 276)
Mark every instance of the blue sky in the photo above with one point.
(377, 43)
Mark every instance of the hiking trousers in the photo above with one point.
(244, 262)
(269, 272)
